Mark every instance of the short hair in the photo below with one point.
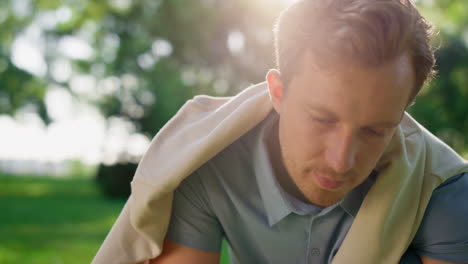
(370, 32)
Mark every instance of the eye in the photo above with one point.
(323, 120)
(375, 132)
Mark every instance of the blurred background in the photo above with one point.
(86, 84)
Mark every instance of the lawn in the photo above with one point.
(52, 221)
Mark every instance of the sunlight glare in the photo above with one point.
(75, 48)
(26, 55)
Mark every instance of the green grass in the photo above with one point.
(52, 221)
(49, 220)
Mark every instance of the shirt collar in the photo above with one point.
(278, 204)
(273, 197)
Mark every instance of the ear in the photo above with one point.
(275, 88)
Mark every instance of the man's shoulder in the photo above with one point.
(443, 233)
(231, 171)
(236, 159)
(449, 199)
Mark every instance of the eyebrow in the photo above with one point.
(323, 110)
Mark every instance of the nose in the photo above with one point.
(341, 151)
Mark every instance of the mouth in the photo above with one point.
(327, 183)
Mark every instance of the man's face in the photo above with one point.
(335, 123)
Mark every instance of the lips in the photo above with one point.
(327, 183)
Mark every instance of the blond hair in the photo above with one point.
(369, 32)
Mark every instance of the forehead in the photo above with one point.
(352, 90)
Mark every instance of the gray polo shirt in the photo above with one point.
(236, 196)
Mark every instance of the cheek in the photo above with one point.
(302, 140)
(369, 155)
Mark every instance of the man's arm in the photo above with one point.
(426, 260)
(174, 253)
(194, 234)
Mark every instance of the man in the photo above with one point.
(290, 189)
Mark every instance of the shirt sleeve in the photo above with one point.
(193, 223)
(443, 233)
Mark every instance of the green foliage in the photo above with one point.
(123, 35)
(19, 88)
(442, 107)
(114, 181)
